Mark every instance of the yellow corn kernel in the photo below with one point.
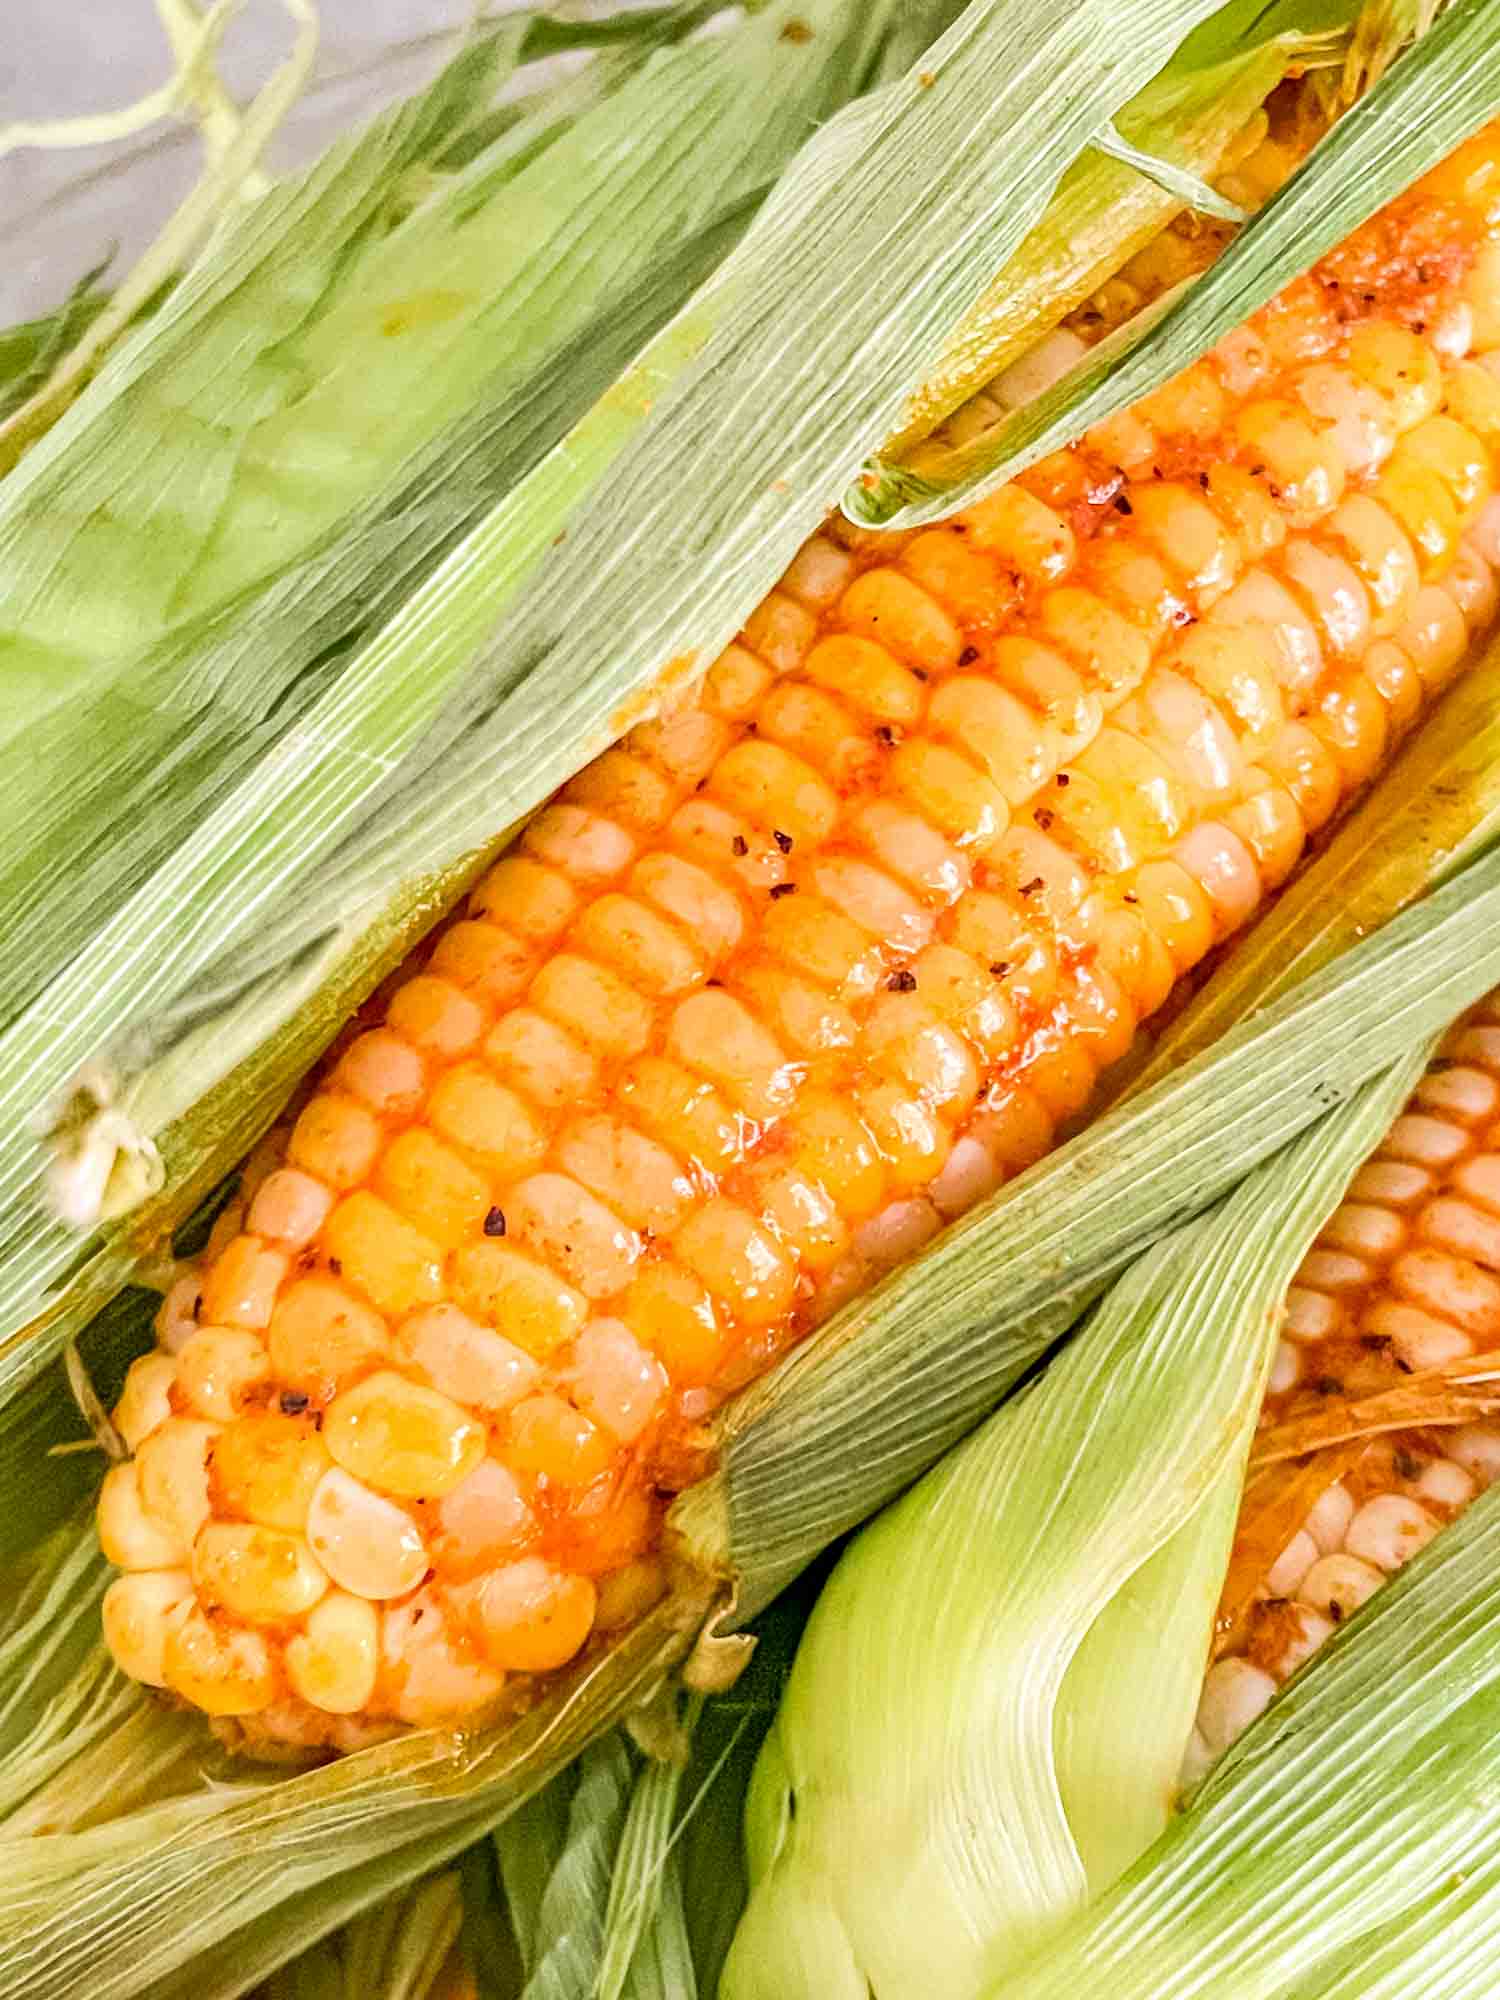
(1401, 367)
(631, 937)
(1016, 1129)
(266, 1467)
(966, 994)
(639, 1179)
(889, 608)
(735, 683)
(627, 1594)
(1472, 396)
(486, 1122)
(1023, 531)
(531, 1616)
(1257, 522)
(130, 1537)
(1062, 1076)
(685, 741)
(436, 1017)
(138, 1612)
(833, 1148)
(582, 1240)
(219, 1668)
(1268, 822)
(950, 791)
(521, 1298)
(381, 1254)
(715, 1034)
(219, 1367)
(990, 723)
(868, 677)
(808, 721)
(261, 1574)
(1192, 403)
(1306, 767)
(802, 1214)
(1352, 720)
(1455, 458)
(485, 960)
(1188, 535)
(593, 1004)
(332, 1662)
(1135, 957)
(145, 1399)
(335, 1140)
(1434, 637)
(432, 1187)
(1053, 689)
(549, 1439)
(683, 1112)
(1380, 551)
(1173, 904)
(242, 1282)
(905, 1038)
(529, 898)
(913, 1143)
(907, 847)
(738, 1260)
(1113, 652)
(1482, 291)
(542, 1059)
(1303, 468)
(383, 1072)
(773, 788)
(627, 788)
(671, 1312)
(172, 1465)
(957, 576)
(1232, 670)
(401, 1438)
(366, 1543)
(803, 1015)
(711, 914)
(780, 631)
(319, 1335)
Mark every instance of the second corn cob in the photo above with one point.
(798, 971)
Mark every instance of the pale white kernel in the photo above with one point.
(1234, 1694)
(1388, 1530)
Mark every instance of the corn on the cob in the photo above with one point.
(1381, 1420)
(798, 971)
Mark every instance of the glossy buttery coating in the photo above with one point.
(1382, 1326)
(796, 972)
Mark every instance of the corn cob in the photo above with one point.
(800, 970)
(1381, 1421)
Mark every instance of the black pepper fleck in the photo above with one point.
(1122, 505)
(783, 841)
(999, 967)
(1327, 1385)
(1030, 888)
(885, 734)
(336, 1266)
(494, 1222)
(783, 889)
(1061, 781)
(904, 981)
(968, 656)
(1043, 817)
(294, 1402)
(740, 844)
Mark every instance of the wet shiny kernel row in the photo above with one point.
(1400, 1290)
(799, 970)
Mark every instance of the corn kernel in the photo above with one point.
(685, 1113)
(887, 607)
(266, 1467)
(241, 1286)
(486, 961)
(772, 788)
(379, 1253)
(593, 1004)
(384, 1073)
(867, 676)
(319, 1336)
(550, 1439)
(574, 1232)
(366, 1543)
(262, 1574)
(130, 1537)
(715, 1034)
(145, 1399)
(490, 1124)
(218, 1668)
(586, 845)
(534, 901)
(289, 1208)
(482, 1522)
(647, 950)
(627, 788)
(336, 1141)
(332, 1662)
(673, 1315)
(173, 1468)
(711, 914)
(528, 1303)
(138, 1612)
(1015, 526)
(219, 1368)
(432, 1188)
(543, 1060)
(402, 1438)
(474, 1365)
(438, 1018)
(639, 1179)
(531, 1617)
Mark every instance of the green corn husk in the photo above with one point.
(398, 1951)
(1346, 1847)
(988, 1712)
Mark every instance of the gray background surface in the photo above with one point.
(61, 211)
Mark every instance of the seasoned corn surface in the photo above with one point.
(796, 972)
(1382, 1420)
